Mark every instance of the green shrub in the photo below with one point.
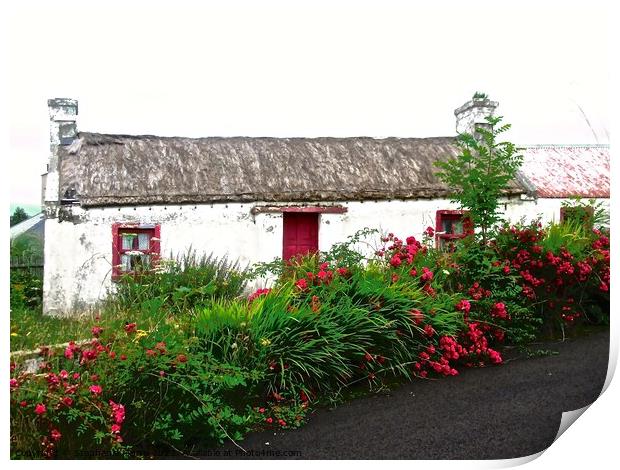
(26, 290)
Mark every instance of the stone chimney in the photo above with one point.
(473, 113)
(63, 130)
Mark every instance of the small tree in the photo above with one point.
(19, 215)
(481, 172)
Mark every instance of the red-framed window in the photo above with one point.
(451, 225)
(135, 248)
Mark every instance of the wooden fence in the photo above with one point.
(32, 263)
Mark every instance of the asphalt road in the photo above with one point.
(499, 412)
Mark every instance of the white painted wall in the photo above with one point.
(78, 256)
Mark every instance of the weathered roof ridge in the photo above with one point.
(108, 137)
(543, 146)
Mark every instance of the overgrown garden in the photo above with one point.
(184, 359)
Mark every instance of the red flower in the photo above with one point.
(368, 357)
(95, 389)
(40, 409)
(269, 420)
(68, 401)
(123, 357)
(427, 274)
(130, 327)
(261, 410)
(115, 429)
(413, 272)
(23, 403)
(281, 422)
(302, 284)
(395, 261)
(416, 316)
(182, 358)
(463, 306)
(258, 293)
(150, 353)
(429, 232)
(55, 434)
(96, 331)
(429, 330)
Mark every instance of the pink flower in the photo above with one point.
(63, 374)
(55, 434)
(40, 409)
(429, 232)
(96, 331)
(14, 384)
(395, 261)
(115, 429)
(95, 389)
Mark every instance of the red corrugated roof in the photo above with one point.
(559, 171)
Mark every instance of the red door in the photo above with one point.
(301, 234)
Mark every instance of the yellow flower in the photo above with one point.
(14, 334)
(265, 342)
(140, 334)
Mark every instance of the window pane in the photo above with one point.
(139, 262)
(127, 240)
(125, 266)
(457, 226)
(446, 225)
(143, 241)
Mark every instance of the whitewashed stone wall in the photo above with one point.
(78, 252)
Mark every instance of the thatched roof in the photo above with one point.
(101, 169)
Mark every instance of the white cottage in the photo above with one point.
(256, 199)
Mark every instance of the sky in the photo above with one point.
(304, 69)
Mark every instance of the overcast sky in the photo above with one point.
(313, 69)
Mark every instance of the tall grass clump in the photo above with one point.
(182, 283)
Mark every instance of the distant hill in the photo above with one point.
(31, 209)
